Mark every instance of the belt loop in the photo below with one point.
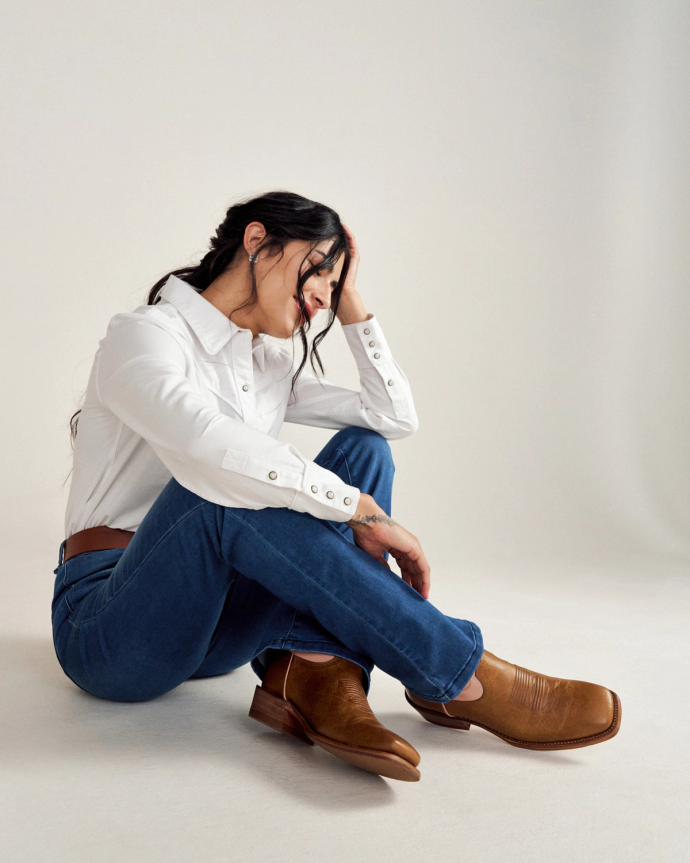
(62, 552)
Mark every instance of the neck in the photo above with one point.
(230, 290)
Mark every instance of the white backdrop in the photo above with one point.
(516, 175)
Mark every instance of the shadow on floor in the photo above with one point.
(48, 719)
(476, 741)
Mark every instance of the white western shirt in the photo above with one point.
(177, 389)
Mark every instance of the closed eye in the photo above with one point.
(334, 285)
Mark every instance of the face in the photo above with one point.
(277, 310)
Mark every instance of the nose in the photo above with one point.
(320, 298)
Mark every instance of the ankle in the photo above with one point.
(313, 657)
(472, 691)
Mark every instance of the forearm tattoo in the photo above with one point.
(369, 519)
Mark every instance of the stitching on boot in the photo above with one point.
(529, 690)
(352, 693)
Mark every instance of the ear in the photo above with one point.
(254, 235)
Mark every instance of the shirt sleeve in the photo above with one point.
(141, 378)
(384, 402)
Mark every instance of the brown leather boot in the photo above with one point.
(324, 703)
(530, 710)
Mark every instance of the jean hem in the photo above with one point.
(259, 668)
(461, 680)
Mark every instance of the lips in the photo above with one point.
(308, 309)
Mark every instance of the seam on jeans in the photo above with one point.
(322, 647)
(459, 674)
(335, 598)
(313, 646)
(449, 688)
(64, 573)
(303, 642)
(104, 646)
(347, 466)
(292, 626)
(299, 643)
(151, 551)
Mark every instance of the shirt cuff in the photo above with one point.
(370, 350)
(367, 343)
(324, 495)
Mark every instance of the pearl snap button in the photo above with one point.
(376, 356)
(371, 344)
(367, 331)
(330, 495)
(314, 489)
(390, 383)
(245, 387)
(347, 501)
(273, 475)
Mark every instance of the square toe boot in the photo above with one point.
(530, 710)
(324, 703)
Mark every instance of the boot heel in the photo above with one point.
(439, 718)
(447, 721)
(275, 713)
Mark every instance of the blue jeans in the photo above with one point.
(203, 589)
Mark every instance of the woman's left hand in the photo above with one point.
(350, 307)
(354, 260)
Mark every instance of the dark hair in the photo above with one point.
(286, 216)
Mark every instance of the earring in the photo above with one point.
(253, 258)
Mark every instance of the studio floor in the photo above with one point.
(189, 777)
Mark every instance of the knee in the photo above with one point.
(365, 441)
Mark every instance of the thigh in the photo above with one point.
(130, 625)
(252, 617)
(138, 627)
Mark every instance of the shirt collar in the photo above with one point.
(209, 324)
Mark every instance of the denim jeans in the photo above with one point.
(203, 589)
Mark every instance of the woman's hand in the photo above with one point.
(375, 532)
(354, 260)
(350, 306)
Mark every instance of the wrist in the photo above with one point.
(368, 512)
(351, 309)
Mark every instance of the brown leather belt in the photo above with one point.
(95, 539)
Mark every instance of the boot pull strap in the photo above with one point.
(292, 656)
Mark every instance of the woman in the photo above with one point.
(197, 542)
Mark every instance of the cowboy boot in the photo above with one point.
(530, 710)
(323, 703)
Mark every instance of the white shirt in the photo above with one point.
(177, 389)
